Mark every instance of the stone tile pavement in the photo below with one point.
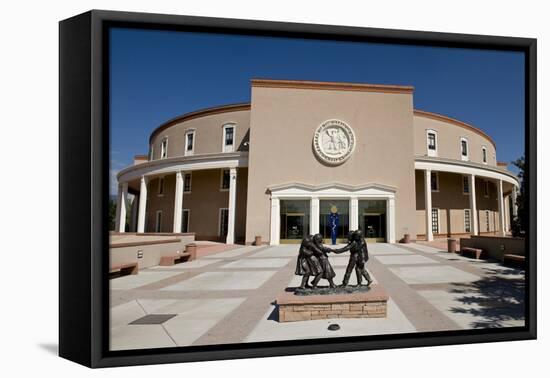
(228, 297)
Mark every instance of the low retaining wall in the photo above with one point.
(371, 304)
(495, 246)
(148, 249)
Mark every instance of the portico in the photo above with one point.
(505, 183)
(143, 175)
(315, 197)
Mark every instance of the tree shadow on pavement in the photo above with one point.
(497, 298)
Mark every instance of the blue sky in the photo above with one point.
(157, 75)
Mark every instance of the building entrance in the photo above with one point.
(372, 220)
(294, 220)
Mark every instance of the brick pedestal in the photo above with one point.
(371, 304)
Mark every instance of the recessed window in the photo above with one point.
(164, 148)
(467, 221)
(431, 142)
(484, 154)
(486, 188)
(229, 137)
(224, 185)
(464, 150)
(223, 222)
(435, 221)
(161, 186)
(488, 223)
(465, 185)
(189, 142)
(434, 182)
(187, 183)
(185, 216)
(158, 221)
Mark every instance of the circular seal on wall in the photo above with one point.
(334, 141)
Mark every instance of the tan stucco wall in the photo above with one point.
(451, 201)
(448, 140)
(165, 203)
(204, 202)
(283, 122)
(208, 134)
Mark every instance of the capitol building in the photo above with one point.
(302, 153)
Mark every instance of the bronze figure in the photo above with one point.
(359, 255)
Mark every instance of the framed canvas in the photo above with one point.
(233, 188)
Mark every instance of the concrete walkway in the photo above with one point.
(227, 297)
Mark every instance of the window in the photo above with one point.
(185, 220)
(228, 138)
(486, 188)
(164, 148)
(465, 185)
(434, 181)
(224, 216)
(225, 180)
(484, 154)
(158, 221)
(187, 183)
(161, 186)
(431, 142)
(464, 148)
(467, 221)
(487, 220)
(189, 142)
(435, 221)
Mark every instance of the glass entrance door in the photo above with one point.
(329, 210)
(372, 220)
(294, 226)
(294, 220)
(375, 227)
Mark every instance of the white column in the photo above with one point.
(500, 197)
(275, 230)
(122, 202)
(231, 208)
(390, 219)
(178, 202)
(473, 204)
(428, 203)
(314, 216)
(142, 204)
(353, 213)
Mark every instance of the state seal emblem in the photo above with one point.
(334, 141)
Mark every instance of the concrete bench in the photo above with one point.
(474, 251)
(516, 259)
(123, 269)
(175, 259)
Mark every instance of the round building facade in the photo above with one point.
(318, 157)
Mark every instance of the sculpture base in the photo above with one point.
(332, 290)
(371, 303)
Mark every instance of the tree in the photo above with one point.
(112, 214)
(519, 223)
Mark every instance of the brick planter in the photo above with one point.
(371, 304)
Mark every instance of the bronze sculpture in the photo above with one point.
(313, 261)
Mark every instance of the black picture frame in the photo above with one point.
(84, 180)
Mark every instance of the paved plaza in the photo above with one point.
(228, 297)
